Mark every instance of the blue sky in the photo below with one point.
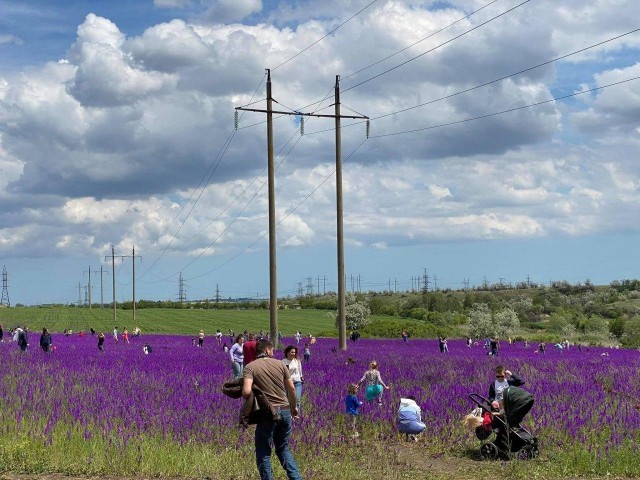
(116, 128)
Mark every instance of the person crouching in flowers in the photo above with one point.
(353, 407)
(374, 383)
(409, 418)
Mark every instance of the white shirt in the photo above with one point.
(499, 386)
(295, 369)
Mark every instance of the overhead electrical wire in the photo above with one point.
(399, 51)
(449, 96)
(504, 77)
(184, 220)
(261, 237)
(449, 41)
(536, 104)
(250, 200)
(249, 185)
(419, 41)
(213, 167)
(436, 47)
(243, 208)
(508, 76)
(329, 33)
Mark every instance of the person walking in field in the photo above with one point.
(373, 380)
(23, 339)
(219, 337)
(101, 342)
(45, 341)
(115, 334)
(294, 364)
(249, 349)
(307, 352)
(201, 338)
(125, 335)
(494, 347)
(237, 357)
(272, 377)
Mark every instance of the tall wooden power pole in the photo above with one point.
(342, 317)
(273, 322)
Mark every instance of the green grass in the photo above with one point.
(188, 321)
(172, 321)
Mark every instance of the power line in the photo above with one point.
(254, 179)
(319, 40)
(508, 110)
(419, 41)
(247, 204)
(400, 51)
(242, 210)
(280, 221)
(214, 165)
(446, 97)
(505, 76)
(436, 47)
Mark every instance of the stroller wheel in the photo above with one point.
(489, 451)
(528, 452)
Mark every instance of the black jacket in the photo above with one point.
(45, 340)
(23, 339)
(256, 407)
(513, 381)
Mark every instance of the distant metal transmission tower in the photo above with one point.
(4, 300)
(182, 294)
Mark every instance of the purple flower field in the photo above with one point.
(586, 403)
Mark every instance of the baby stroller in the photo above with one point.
(511, 440)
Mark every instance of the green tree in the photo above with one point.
(631, 337)
(616, 327)
(356, 312)
(482, 323)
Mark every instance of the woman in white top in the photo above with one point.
(237, 357)
(292, 361)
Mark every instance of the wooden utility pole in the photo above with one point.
(273, 323)
(273, 277)
(342, 317)
(101, 287)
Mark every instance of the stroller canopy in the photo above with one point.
(517, 403)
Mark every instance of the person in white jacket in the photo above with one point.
(409, 418)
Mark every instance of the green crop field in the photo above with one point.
(187, 321)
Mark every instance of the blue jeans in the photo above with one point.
(277, 434)
(237, 369)
(298, 386)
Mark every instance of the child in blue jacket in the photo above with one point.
(353, 407)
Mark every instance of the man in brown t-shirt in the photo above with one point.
(271, 376)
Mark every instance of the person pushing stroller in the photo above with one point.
(502, 414)
(504, 378)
